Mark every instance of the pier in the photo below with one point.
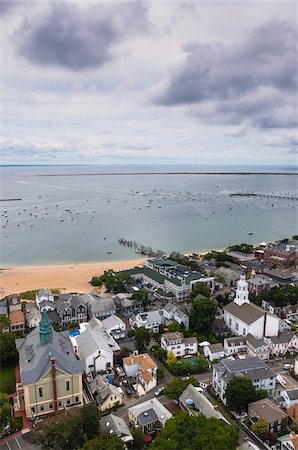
(253, 194)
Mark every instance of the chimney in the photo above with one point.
(54, 384)
(215, 407)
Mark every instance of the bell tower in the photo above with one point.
(242, 291)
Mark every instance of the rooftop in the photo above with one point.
(268, 410)
(248, 312)
(16, 317)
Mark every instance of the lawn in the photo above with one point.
(7, 379)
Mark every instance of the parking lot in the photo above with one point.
(20, 442)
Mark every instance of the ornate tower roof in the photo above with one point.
(45, 329)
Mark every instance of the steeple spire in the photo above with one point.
(242, 291)
(45, 329)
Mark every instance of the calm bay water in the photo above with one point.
(65, 218)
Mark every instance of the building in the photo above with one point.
(257, 284)
(101, 307)
(281, 277)
(271, 308)
(149, 416)
(32, 315)
(273, 415)
(289, 441)
(214, 351)
(49, 378)
(14, 303)
(178, 344)
(113, 424)
(290, 398)
(143, 369)
(45, 300)
(17, 321)
(172, 313)
(106, 395)
(78, 304)
(241, 258)
(115, 327)
(254, 369)
(4, 314)
(151, 320)
(282, 256)
(95, 347)
(243, 317)
(128, 306)
(257, 347)
(291, 313)
(285, 342)
(194, 403)
(64, 311)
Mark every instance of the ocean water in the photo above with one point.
(79, 214)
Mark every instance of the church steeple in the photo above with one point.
(45, 329)
(242, 291)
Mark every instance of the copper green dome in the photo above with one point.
(45, 329)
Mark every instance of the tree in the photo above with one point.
(202, 315)
(239, 392)
(260, 427)
(115, 282)
(175, 326)
(104, 442)
(200, 288)
(90, 417)
(260, 393)
(184, 432)
(160, 375)
(5, 411)
(171, 359)
(280, 296)
(142, 336)
(8, 350)
(138, 439)
(141, 295)
(4, 322)
(175, 387)
(160, 353)
(96, 281)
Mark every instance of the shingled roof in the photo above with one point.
(248, 312)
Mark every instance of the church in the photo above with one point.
(243, 317)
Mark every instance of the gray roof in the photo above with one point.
(169, 307)
(34, 359)
(128, 342)
(283, 338)
(61, 305)
(235, 341)
(101, 304)
(292, 394)
(266, 409)
(190, 340)
(53, 316)
(215, 348)
(32, 312)
(44, 292)
(151, 316)
(147, 417)
(78, 300)
(95, 338)
(201, 402)
(248, 312)
(45, 303)
(112, 321)
(116, 424)
(254, 342)
(252, 368)
(102, 388)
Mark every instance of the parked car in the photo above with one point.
(129, 391)
(287, 366)
(159, 391)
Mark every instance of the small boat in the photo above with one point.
(159, 206)
(251, 232)
(109, 253)
(61, 220)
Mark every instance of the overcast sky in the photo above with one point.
(148, 82)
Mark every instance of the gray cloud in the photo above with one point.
(252, 80)
(76, 38)
(6, 6)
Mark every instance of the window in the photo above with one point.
(67, 385)
(230, 321)
(51, 405)
(68, 401)
(77, 399)
(33, 409)
(41, 407)
(40, 391)
(237, 326)
(60, 403)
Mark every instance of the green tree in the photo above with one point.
(28, 295)
(104, 442)
(115, 282)
(90, 417)
(184, 432)
(138, 439)
(8, 350)
(239, 392)
(260, 427)
(175, 326)
(171, 359)
(175, 387)
(280, 296)
(260, 393)
(160, 353)
(96, 281)
(202, 315)
(142, 336)
(4, 322)
(200, 288)
(5, 411)
(141, 295)
(160, 375)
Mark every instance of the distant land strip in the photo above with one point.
(9, 199)
(158, 173)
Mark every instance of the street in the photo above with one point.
(20, 442)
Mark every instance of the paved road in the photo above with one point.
(22, 442)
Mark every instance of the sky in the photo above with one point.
(88, 82)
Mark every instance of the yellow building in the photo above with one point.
(49, 378)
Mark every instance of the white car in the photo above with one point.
(287, 366)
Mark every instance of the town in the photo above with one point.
(206, 344)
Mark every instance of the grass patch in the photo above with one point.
(7, 379)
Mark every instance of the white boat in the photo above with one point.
(251, 232)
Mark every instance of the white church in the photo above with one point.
(243, 317)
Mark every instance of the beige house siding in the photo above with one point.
(110, 402)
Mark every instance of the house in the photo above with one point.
(106, 395)
(78, 304)
(128, 306)
(128, 343)
(16, 321)
(4, 313)
(257, 284)
(282, 256)
(257, 347)
(45, 300)
(95, 347)
(178, 344)
(254, 369)
(240, 257)
(115, 327)
(49, 377)
(143, 368)
(273, 415)
(214, 351)
(14, 303)
(285, 342)
(172, 313)
(32, 315)
(101, 307)
(219, 328)
(243, 317)
(290, 398)
(149, 416)
(64, 311)
(281, 276)
(194, 403)
(151, 320)
(291, 313)
(113, 424)
(235, 345)
(289, 441)
(271, 308)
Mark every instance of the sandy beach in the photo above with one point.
(67, 278)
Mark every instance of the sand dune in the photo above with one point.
(68, 278)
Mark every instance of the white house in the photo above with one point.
(45, 300)
(254, 369)
(32, 315)
(150, 320)
(247, 345)
(143, 369)
(285, 342)
(178, 344)
(149, 416)
(290, 398)
(115, 327)
(172, 313)
(95, 347)
(214, 351)
(243, 317)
